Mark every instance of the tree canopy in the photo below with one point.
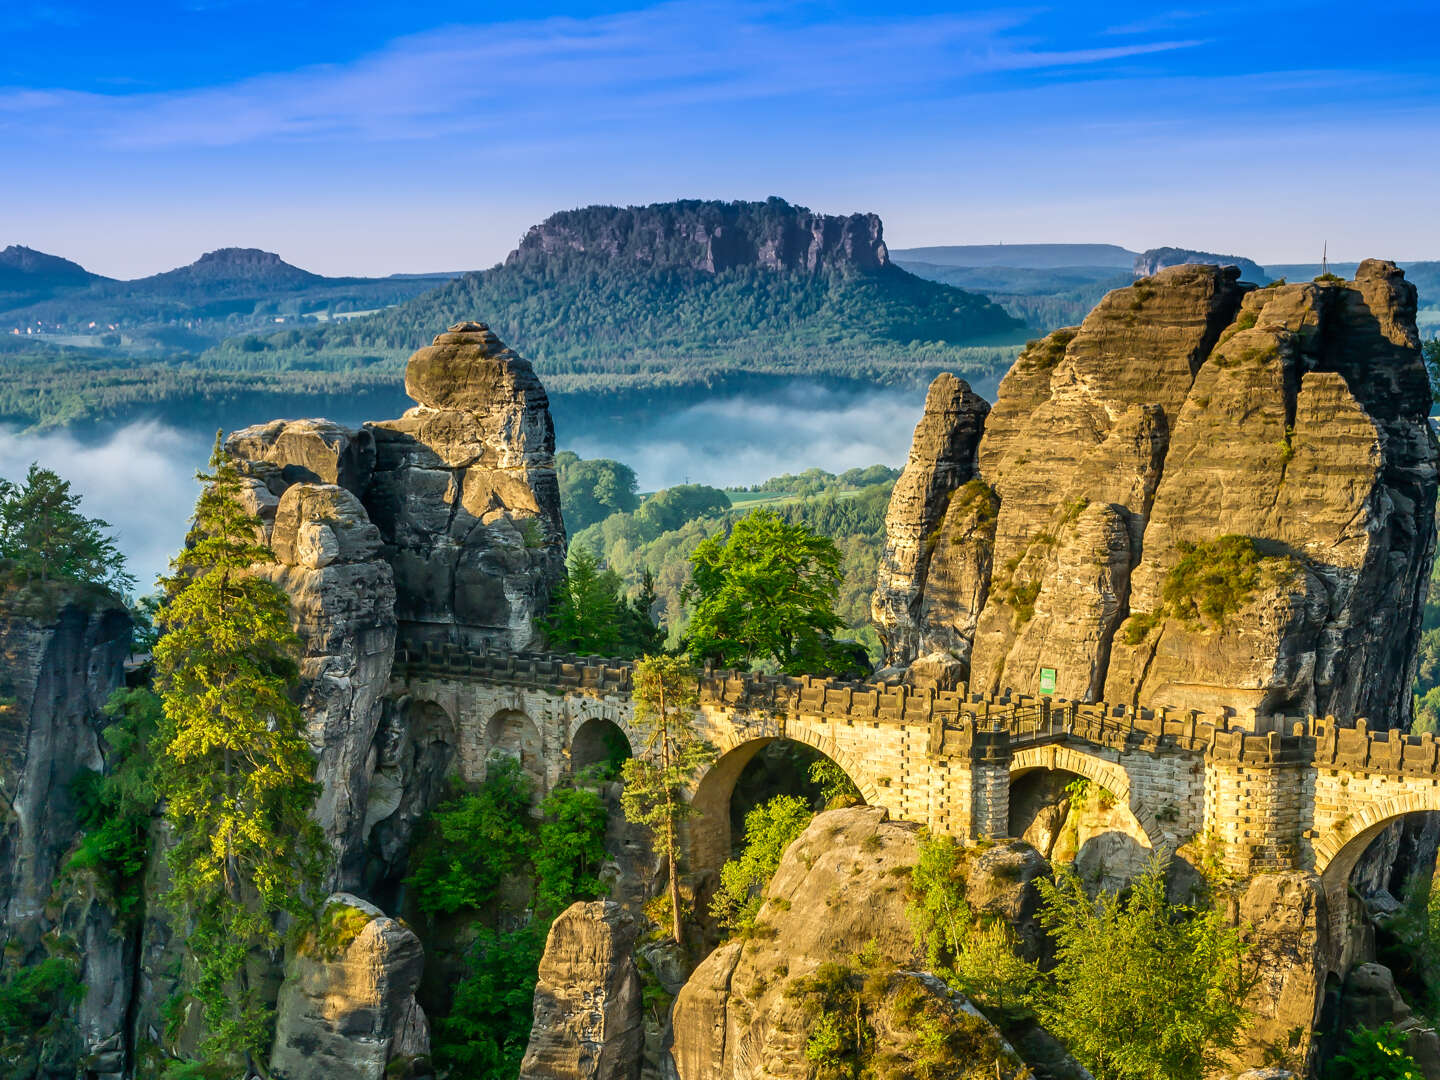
(44, 537)
(233, 766)
(768, 592)
(590, 614)
(591, 489)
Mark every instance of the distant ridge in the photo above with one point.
(1023, 256)
(23, 268)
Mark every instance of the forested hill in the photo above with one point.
(676, 294)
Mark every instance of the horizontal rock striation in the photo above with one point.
(1207, 496)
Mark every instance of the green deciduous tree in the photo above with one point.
(767, 592)
(44, 536)
(592, 489)
(233, 767)
(470, 841)
(665, 697)
(671, 507)
(769, 830)
(569, 848)
(1142, 989)
(1374, 1054)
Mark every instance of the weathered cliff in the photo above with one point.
(62, 654)
(710, 237)
(1289, 421)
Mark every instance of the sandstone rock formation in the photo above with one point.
(342, 595)
(710, 236)
(1370, 1000)
(465, 494)
(589, 1024)
(62, 654)
(347, 1008)
(742, 1015)
(942, 461)
(1188, 408)
(441, 526)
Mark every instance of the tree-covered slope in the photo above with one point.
(681, 293)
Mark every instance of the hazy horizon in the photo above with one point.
(391, 138)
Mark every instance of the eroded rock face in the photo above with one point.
(589, 1022)
(347, 1008)
(740, 1017)
(942, 461)
(329, 561)
(306, 451)
(61, 657)
(465, 494)
(1188, 407)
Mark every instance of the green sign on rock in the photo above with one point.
(1047, 680)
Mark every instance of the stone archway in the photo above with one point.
(598, 741)
(709, 831)
(512, 733)
(1109, 843)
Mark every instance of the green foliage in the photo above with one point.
(32, 997)
(483, 1037)
(1431, 353)
(1211, 581)
(974, 956)
(591, 490)
(569, 848)
(769, 830)
(1416, 929)
(471, 841)
(1374, 1054)
(1142, 989)
(665, 696)
(672, 507)
(114, 808)
(767, 592)
(836, 787)
(590, 615)
(233, 767)
(44, 537)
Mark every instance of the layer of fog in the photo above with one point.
(141, 479)
(745, 439)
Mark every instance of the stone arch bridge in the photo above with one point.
(1264, 793)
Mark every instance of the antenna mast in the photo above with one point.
(1325, 259)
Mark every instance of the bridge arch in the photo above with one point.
(512, 733)
(710, 836)
(1110, 775)
(598, 740)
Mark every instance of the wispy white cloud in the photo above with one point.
(578, 74)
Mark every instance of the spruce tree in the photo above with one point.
(665, 697)
(232, 766)
(44, 536)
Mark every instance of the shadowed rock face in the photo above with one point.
(441, 526)
(1185, 408)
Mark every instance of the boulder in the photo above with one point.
(589, 1022)
(305, 451)
(347, 1009)
(1370, 999)
(834, 915)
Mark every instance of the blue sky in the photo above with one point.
(374, 137)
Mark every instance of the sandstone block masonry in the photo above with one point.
(1186, 408)
(1265, 793)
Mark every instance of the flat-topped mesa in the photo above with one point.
(1210, 496)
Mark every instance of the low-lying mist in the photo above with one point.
(141, 479)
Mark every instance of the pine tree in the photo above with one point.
(233, 767)
(44, 536)
(665, 697)
(583, 615)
